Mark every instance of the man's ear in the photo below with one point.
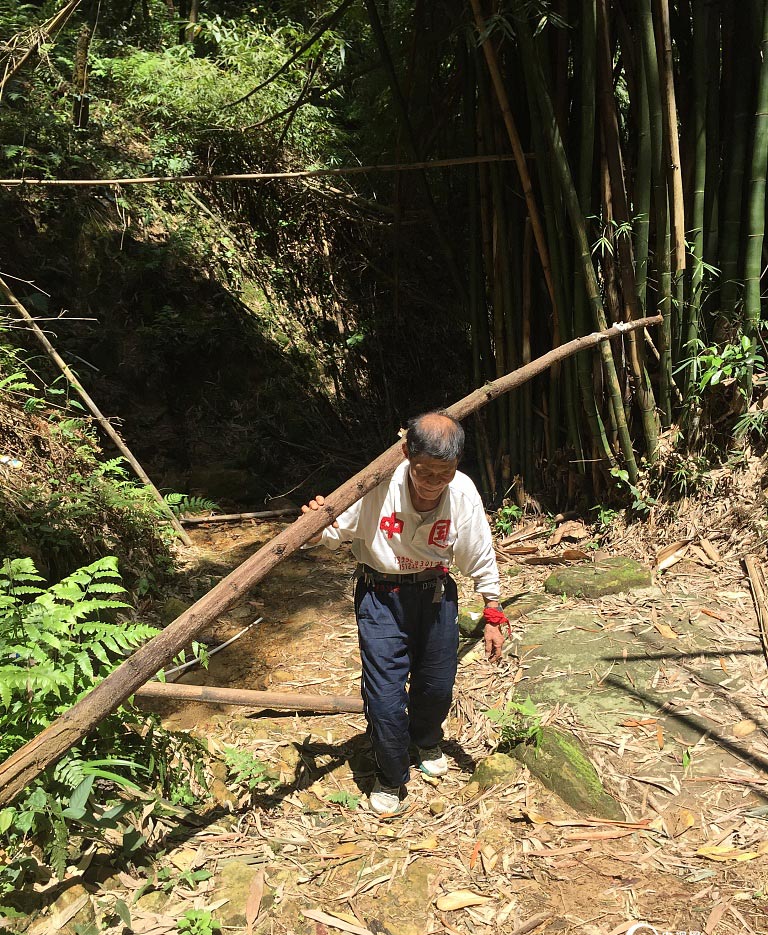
(405, 450)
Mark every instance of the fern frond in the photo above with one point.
(181, 504)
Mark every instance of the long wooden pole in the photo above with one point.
(94, 410)
(279, 701)
(69, 728)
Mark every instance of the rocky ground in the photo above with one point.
(664, 687)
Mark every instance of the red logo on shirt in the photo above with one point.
(391, 525)
(438, 534)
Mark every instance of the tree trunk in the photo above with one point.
(45, 749)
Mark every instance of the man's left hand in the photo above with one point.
(494, 641)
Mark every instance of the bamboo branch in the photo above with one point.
(280, 701)
(45, 749)
(94, 410)
(325, 25)
(43, 34)
(255, 176)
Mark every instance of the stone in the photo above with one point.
(470, 622)
(233, 883)
(437, 806)
(172, 608)
(496, 769)
(73, 910)
(608, 576)
(562, 765)
(407, 906)
(154, 901)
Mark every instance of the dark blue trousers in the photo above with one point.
(403, 631)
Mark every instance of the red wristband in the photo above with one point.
(495, 616)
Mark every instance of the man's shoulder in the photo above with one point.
(463, 488)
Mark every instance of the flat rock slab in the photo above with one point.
(608, 576)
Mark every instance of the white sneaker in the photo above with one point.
(432, 761)
(385, 800)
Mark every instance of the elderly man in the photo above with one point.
(405, 534)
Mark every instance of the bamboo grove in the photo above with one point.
(639, 130)
(633, 137)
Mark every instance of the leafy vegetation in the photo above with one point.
(56, 643)
(518, 721)
(507, 517)
(198, 922)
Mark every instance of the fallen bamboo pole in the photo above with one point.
(280, 701)
(760, 597)
(257, 176)
(69, 728)
(233, 517)
(94, 410)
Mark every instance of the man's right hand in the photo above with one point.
(316, 504)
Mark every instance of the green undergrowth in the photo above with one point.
(108, 792)
(62, 503)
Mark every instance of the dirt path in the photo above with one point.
(668, 688)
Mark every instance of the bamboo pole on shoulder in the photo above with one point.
(94, 410)
(42, 751)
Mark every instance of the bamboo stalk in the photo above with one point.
(754, 250)
(95, 411)
(642, 189)
(70, 727)
(279, 701)
(573, 207)
(236, 517)
(519, 156)
(664, 289)
(610, 123)
(738, 105)
(671, 133)
(586, 158)
(760, 597)
(700, 88)
(41, 35)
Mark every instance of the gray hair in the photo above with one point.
(441, 438)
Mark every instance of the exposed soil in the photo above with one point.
(668, 687)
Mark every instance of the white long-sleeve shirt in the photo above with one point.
(390, 536)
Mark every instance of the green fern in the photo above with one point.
(16, 383)
(182, 504)
(56, 643)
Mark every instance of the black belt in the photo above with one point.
(429, 574)
(435, 576)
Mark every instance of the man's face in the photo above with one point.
(430, 476)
